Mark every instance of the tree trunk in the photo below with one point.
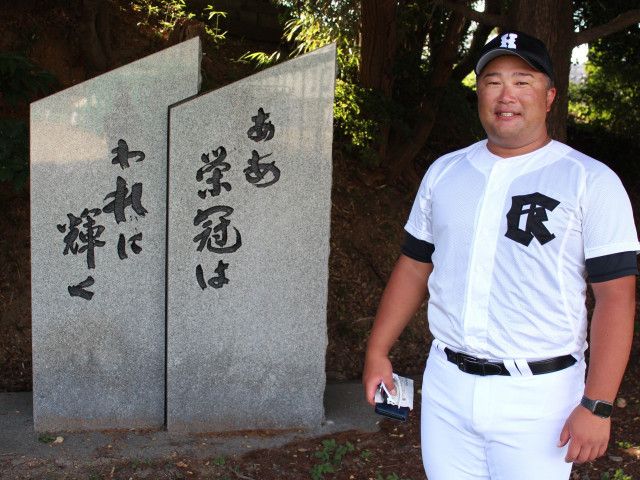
(445, 56)
(410, 50)
(468, 63)
(552, 22)
(95, 25)
(378, 49)
(378, 45)
(549, 20)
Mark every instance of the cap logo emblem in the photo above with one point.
(508, 40)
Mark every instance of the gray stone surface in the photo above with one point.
(344, 404)
(100, 362)
(251, 354)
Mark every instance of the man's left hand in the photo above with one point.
(587, 435)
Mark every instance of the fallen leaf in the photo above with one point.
(634, 451)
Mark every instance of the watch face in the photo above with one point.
(603, 409)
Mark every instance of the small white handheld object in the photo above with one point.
(395, 406)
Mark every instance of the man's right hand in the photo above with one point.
(403, 295)
(377, 369)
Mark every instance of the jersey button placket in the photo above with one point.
(485, 239)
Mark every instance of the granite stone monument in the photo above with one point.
(98, 233)
(248, 245)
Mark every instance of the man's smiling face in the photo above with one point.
(513, 101)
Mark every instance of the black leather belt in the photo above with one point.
(480, 366)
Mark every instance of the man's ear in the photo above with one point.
(551, 95)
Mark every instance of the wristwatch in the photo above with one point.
(598, 407)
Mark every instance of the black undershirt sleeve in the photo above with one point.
(417, 249)
(610, 267)
(599, 269)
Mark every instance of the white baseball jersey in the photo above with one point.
(511, 239)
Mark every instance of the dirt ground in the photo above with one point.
(393, 453)
(367, 219)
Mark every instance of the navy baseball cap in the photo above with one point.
(528, 48)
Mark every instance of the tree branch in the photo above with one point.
(621, 22)
(480, 36)
(484, 18)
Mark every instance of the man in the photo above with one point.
(506, 232)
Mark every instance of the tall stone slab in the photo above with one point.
(98, 233)
(249, 211)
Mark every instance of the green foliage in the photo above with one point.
(214, 31)
(391, 476)
(21, 80)
(610, 97)
(358, 112)
(618, 475)
(350, 104)
(46, 438)
(624, 444)
(331, 456)
(470, 80)
(261, 59)
(336, 22)
(314, 25)
(608, 100)
(365, 455)
(421, 30)
(163, 15)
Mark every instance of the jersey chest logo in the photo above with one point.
(535, 207)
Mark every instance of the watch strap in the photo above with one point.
(601, 408)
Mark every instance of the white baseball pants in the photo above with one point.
(495, 427)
